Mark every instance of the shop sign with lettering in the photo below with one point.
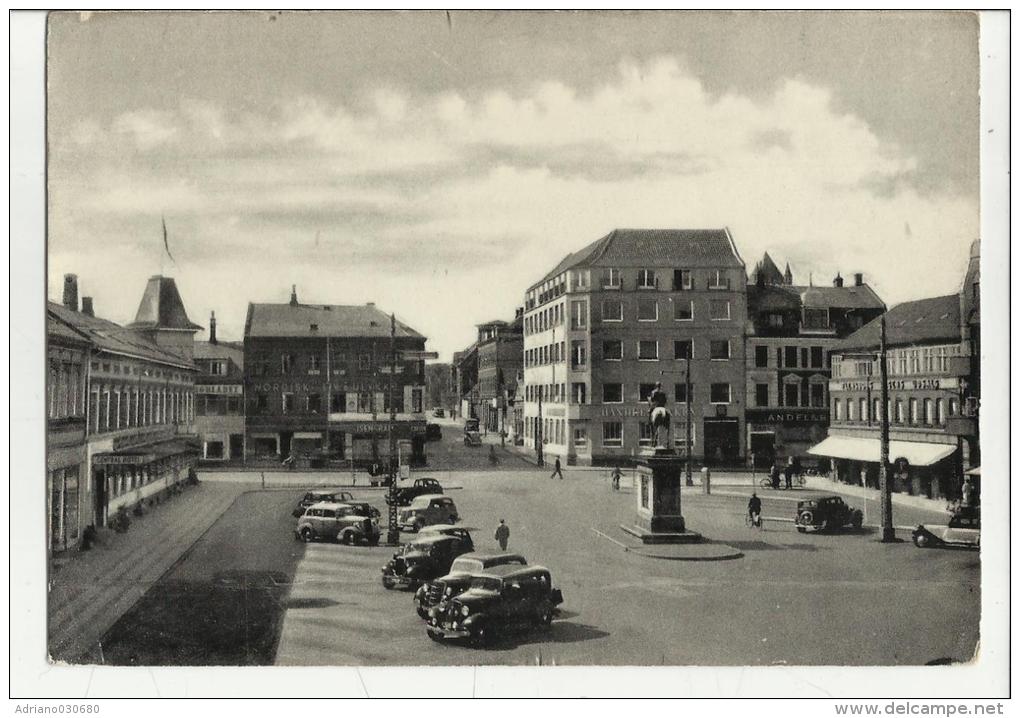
(929, 383)
(234, 389)
(787, 418)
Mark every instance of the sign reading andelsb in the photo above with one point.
(787, 417)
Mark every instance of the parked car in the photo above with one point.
(336, 522)
(404, 494)
(424, 559)
(498, 600)
(461, 532)
(454, 583)
(963, 529)
(438, 413)
(433, 432)
(363, 508)
(472, 438)
(826, 513)
(427, 510)
(315, 496)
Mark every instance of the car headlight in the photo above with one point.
(448, 591)
(465, 611)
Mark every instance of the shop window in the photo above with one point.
(720, 349)
(648, 350)
(719, 309)
(648, 310)
(761, 356)
(612, 434)
(612, 350)
(761, 394)
(720, 393)
(612, 393)
(214, 449)
(612, 310)
(683, 311)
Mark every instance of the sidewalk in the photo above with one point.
(90, 590)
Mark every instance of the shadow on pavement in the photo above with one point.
(560, 632)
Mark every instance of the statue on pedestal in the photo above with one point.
(659, 416)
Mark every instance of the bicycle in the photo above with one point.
(751, 523)
(798, 481)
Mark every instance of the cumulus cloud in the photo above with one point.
(484, 193)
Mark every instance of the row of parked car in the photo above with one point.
(468, 595)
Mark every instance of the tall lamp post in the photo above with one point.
(392, 530)
(688, 480)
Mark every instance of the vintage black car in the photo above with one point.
(314, 496)
(404, 494)
(424, 559)
(963, 529)
(499, 600)
(827, 513)
(444, 588)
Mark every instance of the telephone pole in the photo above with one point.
(888, 532)
(687, 429)
(393, 531)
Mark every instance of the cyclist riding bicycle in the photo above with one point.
(754, 510)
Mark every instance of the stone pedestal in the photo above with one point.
(658, 495)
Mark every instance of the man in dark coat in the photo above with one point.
(774, 474)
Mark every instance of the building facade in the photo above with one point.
(500, 351)
(319, 386)
(219, 398)
(632, 309)
(791, 330)
(933, 365)
(465, 382)
(139, 401)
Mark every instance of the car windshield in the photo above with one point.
(465, 564)
(419, 548)
(483, 583)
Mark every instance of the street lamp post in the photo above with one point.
(392, 530)
(888, 532)
(688, 480)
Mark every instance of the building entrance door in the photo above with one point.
(722, 442)
(285, 440)
(236, 446)
(763, 447)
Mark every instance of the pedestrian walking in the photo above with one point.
(556, 469)
(616, 479)
(502, 534)
(754, 510)
(788, 473)
(774, 474)
(968, 493)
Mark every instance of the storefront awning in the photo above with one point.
(915, 452)
(147, 453)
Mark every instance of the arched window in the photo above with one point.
(863, 409)
(929, 413)
(939, 416)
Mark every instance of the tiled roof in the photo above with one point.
(925, 321)
(221, 350)
(330, 320)
(655, 248)
(771, 298)
(62, 332)
(852, 297)
(106, 335)
(161, 307)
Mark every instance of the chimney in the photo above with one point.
(838, 281)
(212, 327)
(86, 307)
(293, 295)
(858, 279)
(71, 292)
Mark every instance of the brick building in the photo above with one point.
(500, 349)
(790, 331)
(629, 310)
(317, 384)
(933, 363)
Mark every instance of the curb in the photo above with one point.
(686, 552)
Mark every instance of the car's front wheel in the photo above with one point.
(349, 538)
(387, 582)
(858, 520)
(307, 535)
(922, 541)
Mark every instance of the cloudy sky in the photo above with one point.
(438, 165)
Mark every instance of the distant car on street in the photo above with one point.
(963, 529)
(425, 558)
(438, 413)
(472, 438)
(315, 496)
(497, 601)
(404, 494)
(827, 513)
(446, 587)
(427, 510)
(336, 522)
